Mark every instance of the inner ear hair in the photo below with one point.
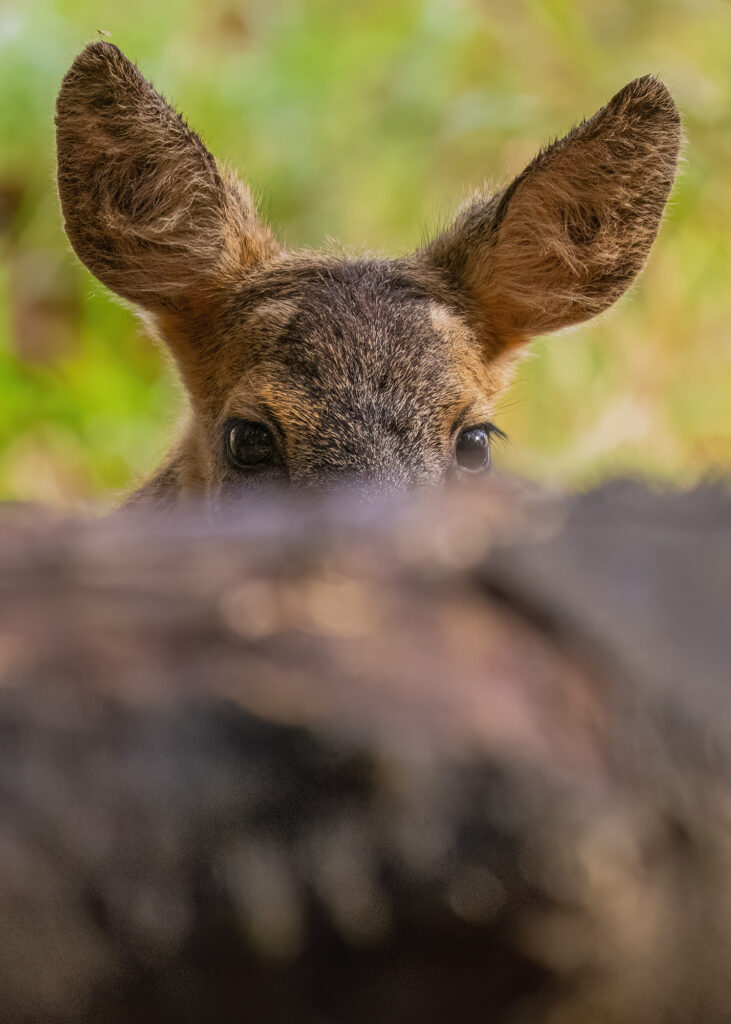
(567, 237)
(145, 205)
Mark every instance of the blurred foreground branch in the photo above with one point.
(464, 759)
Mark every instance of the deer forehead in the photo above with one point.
(342, 356)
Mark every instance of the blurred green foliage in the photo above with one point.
(366, 120)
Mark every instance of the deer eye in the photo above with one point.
(249, 445)
(472, 450)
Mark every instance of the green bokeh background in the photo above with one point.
(367, 122)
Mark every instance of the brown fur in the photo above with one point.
(361, 368)
(568, 236)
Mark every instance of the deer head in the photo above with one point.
(309, 368)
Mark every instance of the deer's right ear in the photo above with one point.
(144, 204)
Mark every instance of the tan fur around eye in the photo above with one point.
(480, 376)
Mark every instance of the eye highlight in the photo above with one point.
(472, 448)
(249, 445)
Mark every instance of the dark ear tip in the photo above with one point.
(96, 57)
(97, 62)
(650, 99)
(100, 48)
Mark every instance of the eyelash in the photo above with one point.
(495, 432)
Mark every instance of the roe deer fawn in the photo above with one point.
(309, 368)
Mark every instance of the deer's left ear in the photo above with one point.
(569, 235)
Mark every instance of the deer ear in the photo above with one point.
(144, 204)
(569, 235)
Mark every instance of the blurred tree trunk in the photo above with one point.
(463, 759)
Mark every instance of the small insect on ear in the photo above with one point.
(145, 206)
(568, 236)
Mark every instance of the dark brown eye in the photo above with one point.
(249, 445)
(472, 450)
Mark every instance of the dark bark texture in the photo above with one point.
(463, 758)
